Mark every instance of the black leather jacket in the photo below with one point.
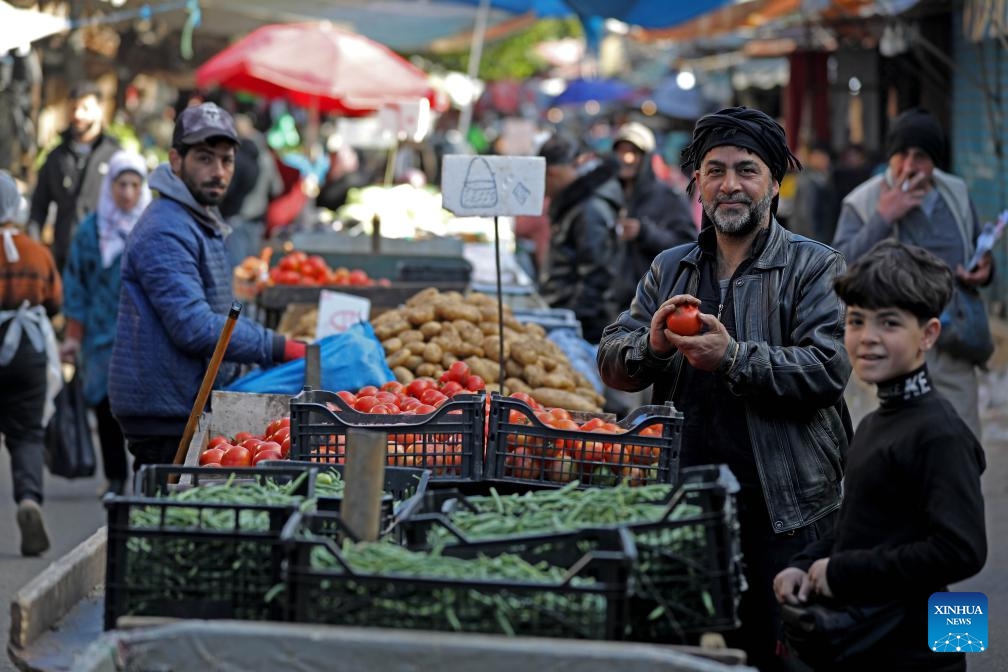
(790, 370)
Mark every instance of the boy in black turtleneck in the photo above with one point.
(912, 517)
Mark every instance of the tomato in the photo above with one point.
(271, 454)
(384, 409)
(252, 444)
(367, 391)
(458, 371)
(386, 397)
(451, 388)
(393, 386)
(409, 403)
(417, 386)
(237, 456)
(527, 398)
(433, 397)
(267, 445)
(241, 436)
(365, 403)
(475, 383)
(592, 425)
(358, 277)
(213, 455)
(279, 435)
(218, 441)
(684, 320)
(285, 447)
(349, 397)
(424, 409)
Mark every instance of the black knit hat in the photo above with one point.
(917, 128)
(560, 150)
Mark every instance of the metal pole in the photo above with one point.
(475, 56)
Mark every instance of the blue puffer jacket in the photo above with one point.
(176, 293)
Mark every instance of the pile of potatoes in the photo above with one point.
(434, 329)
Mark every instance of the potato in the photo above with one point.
(432, 353)
(393, 344)
(558, 380)
(423, 297)
(469, 332)
(514, 369)
(416, 347)
(390, 328)
(449, 312)
(553, 398)
(489, 313)
(447, 360)
(413, 362)
(430, 329)
(411, 335)
(417, 315)
(397, 358)
(487, 369)
(533, 329)
(522, 353)
(534, 374)
(512, 385)
(403, 375)
(429, 369)
(489, 328)
(491, 347)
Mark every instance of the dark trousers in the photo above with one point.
(113, 444)
(22, 397)
(152, 449)
(765, 554)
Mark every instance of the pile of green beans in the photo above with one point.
(529, 599)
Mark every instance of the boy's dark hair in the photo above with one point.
(85, 89)
(896, 275)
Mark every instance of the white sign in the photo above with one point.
(337, 312)
(493, 185)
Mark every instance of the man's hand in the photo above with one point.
(629, 228)
(817, 578)
(659, 337)
(905, 194)
(788, 584)
(978, 276)
(706, 350)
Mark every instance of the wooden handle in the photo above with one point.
(204, 391)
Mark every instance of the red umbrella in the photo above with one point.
(316, 65)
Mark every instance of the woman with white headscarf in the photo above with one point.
(30, 293)
(91, 282)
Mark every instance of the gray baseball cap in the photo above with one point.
(201, 122)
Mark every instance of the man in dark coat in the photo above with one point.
(655, 218)
(71, 176)
(584, 201)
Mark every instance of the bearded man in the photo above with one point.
(761, 386)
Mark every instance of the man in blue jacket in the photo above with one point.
(176, 293)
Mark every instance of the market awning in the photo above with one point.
(20, 27)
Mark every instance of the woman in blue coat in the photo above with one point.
(91, 282)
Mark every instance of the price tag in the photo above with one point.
(337, 312)
(493, 185)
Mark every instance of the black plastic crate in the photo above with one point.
(448, 442)
(192, 559)
(521, 448)
(590, 601)
(689, 573)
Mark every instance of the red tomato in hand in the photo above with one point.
(684, 320)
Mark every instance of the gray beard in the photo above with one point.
(739, 225)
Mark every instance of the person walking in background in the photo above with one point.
(91, 282)
(30, 293)
(761, 387)
(72, 174)
(912, 519)
(176, 293)
(584, 201)
(814, 215)
(916, 203)
(654, 218)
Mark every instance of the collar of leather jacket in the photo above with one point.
(769, 249)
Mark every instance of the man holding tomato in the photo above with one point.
(742, 330)
(176, 293)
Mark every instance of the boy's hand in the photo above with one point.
(817, 578)
(787, 585)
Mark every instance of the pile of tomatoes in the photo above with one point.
(573, 457)
(420, 396)
(299, 268)
(246, 449)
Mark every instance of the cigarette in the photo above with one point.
(906, 185)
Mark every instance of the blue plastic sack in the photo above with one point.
(349, 361)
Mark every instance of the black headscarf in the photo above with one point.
(741, 127)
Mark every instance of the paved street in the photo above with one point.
(73, 512)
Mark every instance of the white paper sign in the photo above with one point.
(337, 312)
(493, 185)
